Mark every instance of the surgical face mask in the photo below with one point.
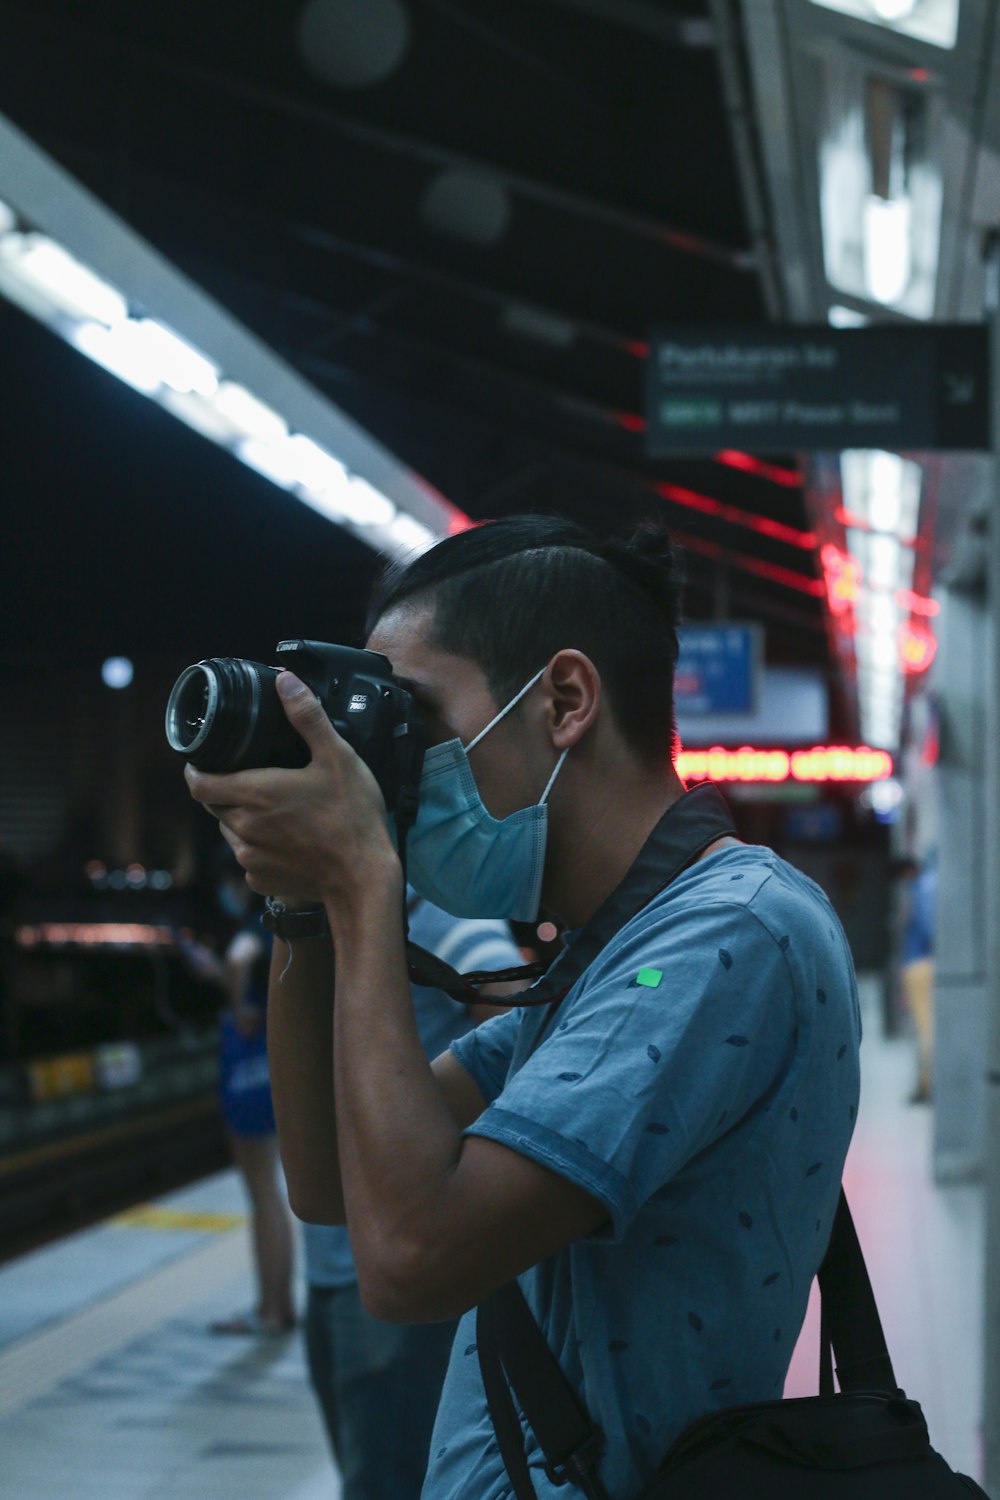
(463, 859)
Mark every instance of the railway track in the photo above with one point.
(51, 1189)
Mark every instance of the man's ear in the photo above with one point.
(574, 696)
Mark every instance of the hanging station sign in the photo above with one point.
(773, 388)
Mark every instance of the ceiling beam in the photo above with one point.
(635, 345)
(648, 19)
(406, 144)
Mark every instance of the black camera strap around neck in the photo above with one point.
(687, 828)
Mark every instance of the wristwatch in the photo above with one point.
(298, 922)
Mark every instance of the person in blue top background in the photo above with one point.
(241, 972)
(378, 1384)
(655, 1154)
(916, 962)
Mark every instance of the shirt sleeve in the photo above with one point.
(671, 1039)
(470, 943)
(486, 1052)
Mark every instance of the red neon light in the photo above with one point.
(458, 521)
(631, 421)
(732, 514)
(834, 763)
(733, 459)
(843, 578)
(850, 518)
(917, 604)
(917, 647)
(637, 348)
(860, 523)
(787, 577)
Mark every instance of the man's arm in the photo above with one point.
(301, 1061)
(437, 1220)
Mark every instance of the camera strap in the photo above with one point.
(687, 828)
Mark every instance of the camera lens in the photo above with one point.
(224, 715)
(192, 707)
(213, 712)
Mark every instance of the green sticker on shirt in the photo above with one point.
(651, 978)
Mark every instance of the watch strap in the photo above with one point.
(294, 922)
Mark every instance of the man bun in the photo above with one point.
(650, 558)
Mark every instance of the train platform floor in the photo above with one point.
(110, 1383)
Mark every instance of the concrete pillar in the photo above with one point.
(991, 1301)
(961, 988)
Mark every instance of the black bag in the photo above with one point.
(869, 1442)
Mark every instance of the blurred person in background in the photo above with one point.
(916, 963)
(378, 1384)
(245, 1098)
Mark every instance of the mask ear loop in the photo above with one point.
(551, 781)
(504, 711)
(502, 714)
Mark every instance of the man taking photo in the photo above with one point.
(656, 1153)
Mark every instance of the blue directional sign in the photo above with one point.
(718, 669)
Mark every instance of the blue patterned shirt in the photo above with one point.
(701, 1081)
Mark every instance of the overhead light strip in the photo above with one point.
(72, 264)
(91, 315)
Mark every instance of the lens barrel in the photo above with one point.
(223, 714)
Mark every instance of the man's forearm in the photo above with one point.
(300, 1058)
(398, 1139)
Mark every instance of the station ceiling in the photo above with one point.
(458, 220)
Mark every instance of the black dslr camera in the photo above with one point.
(224, 714)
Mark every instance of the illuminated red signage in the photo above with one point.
(832, 763)
(917, 647)
(843, 578)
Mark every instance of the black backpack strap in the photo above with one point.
(851, 1323)
(511, 1347)
(510, 1438)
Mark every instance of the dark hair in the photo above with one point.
(511, 593)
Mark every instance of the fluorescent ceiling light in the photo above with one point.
(177, 364)
(40, 275)
(880, 189)
(199, 414)
(273, 460)
(934, 21)
(893, 10)
(887, 247)
(839, 316)
(884, 490)
(882, 613)
(883, 563)
(46, 269)
(116, 354)
(411, 534)
(367, 506)
(315, 467)
(885, 651)
(249, 416)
